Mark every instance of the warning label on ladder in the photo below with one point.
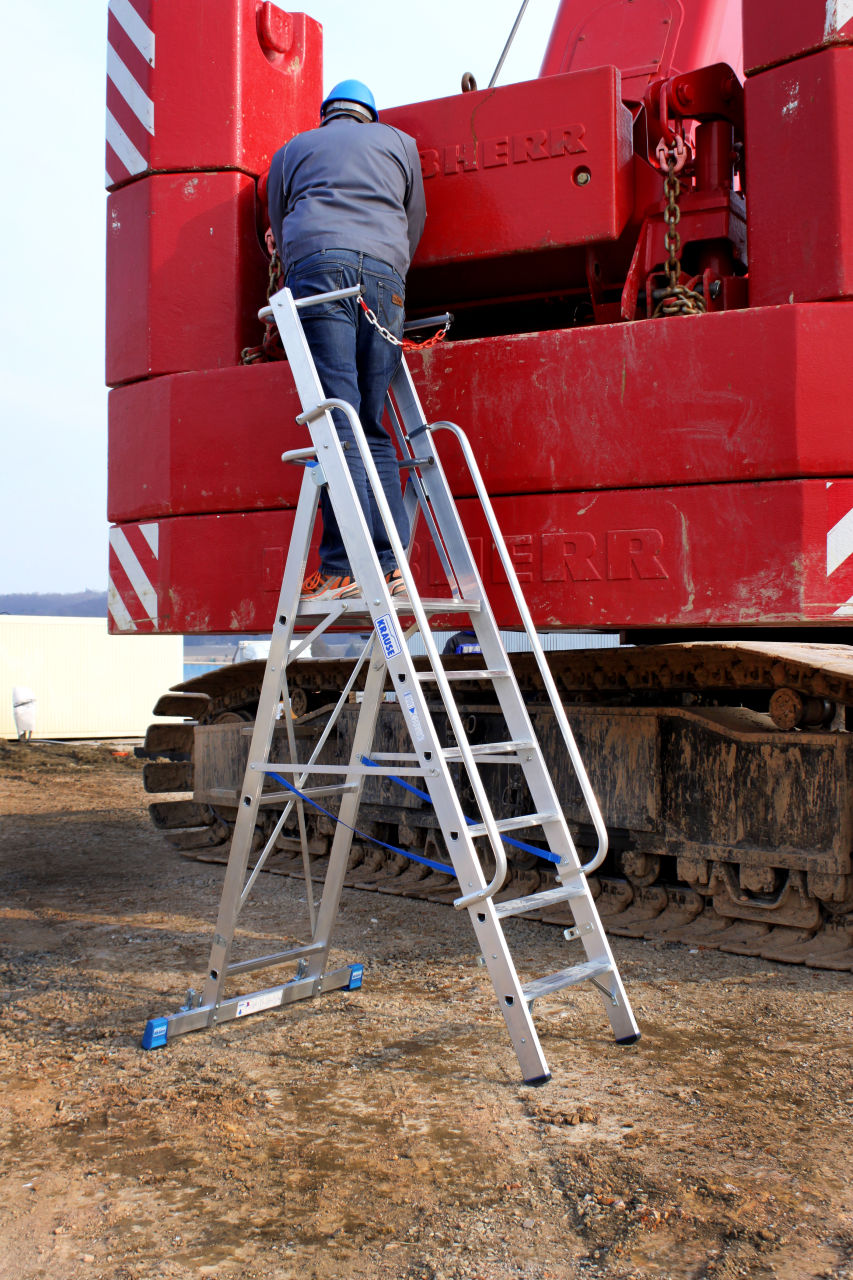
(413, 718)
(254, 1004)
(387, 633)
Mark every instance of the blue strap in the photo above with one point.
(406, 853)
(472, 822)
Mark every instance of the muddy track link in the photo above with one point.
(814, 681)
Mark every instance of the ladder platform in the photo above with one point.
(536, 901)
(357, 607)
(565, 978)
(512, 824)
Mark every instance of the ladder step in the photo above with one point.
(565, 978)
(276, 797)
(491, 748)
(536, 901)
(488, 674)
(514, 824)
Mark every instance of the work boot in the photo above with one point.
(396, 585)
(322, 587)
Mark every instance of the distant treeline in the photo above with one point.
(55, 604)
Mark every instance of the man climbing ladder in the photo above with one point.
(346, 204)
(474, 840)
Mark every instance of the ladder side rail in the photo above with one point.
(348, 812)
(300, 811)
(490, 936)
(436, 488)
(262, 733)
(365, 564)
(535, 645)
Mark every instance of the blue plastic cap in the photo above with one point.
(356, 974)
(155, 1033)
(351, 91)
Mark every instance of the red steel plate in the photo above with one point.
(740, 395)
(774, 32)
(182, 260)
(518, 180)
(213, 86)
(799, 140)
(774, 553)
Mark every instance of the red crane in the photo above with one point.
(649, 258)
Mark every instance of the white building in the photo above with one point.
(86, 683)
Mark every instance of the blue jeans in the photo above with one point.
(355, 364)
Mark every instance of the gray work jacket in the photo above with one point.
(348, 185)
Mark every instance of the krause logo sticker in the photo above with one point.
(387, 633)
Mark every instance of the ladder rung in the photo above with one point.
(491, 748)
(357, 770)
(488, 674)
(565, 978)
(276, 797)
(278, 957)
(536, 901)
(513, 824)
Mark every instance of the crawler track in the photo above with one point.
(690, 748)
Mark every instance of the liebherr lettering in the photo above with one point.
(492, 153)
(613, 555)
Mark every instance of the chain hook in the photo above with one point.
(676, 153)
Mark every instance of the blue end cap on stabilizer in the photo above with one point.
(155, 1034)
(356, 974)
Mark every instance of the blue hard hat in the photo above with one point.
(350, 91)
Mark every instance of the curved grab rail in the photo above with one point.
(536, 648)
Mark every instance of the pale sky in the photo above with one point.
(53, 409)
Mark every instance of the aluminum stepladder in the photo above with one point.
(387, 658)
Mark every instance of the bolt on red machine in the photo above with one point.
(648, 251)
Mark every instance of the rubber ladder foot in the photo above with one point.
(538, 1081)
(630, 1039)
(156, 1033)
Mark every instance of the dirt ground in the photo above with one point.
(384, 1134)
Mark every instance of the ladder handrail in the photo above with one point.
(536, 648)
(353, 291)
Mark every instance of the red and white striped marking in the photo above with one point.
(838, 14)
(130, 107)
(839, 547)
(132, 598)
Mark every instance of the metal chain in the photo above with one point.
(405, 344)
(276, 274)
(677, 299)
(270, 348)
